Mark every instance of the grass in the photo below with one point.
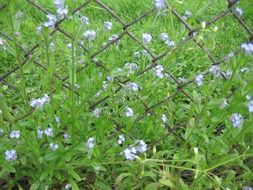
(196, 147)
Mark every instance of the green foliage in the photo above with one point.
(191, 141)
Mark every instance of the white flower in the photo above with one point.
(231, 54)
(10, 155)
(159, 71)
(59, 3)
(1, 131)
(196, 150)
(53, 146)
(160, 3)
(141, 146)
(132, 86)
(244, 70)
(1, 42)
(69, 45)
(250, 106)
(215, 29)
(228, 73)
(90, 143)
(15, 134)
(121, 139)
(107, 25)
(144, 52)
(137, 54)
(181, 79)
(39, 29)
(38, 103)
(40, 133)
(164, 37)
(129, 154)
(238, 11)
(164, 118)
(109, 78)
(247, 188)
(51, 46)
(85, 20)
(187, 14)
(170, 43)
(67, 186)
(199, 80)
(131, 66)
(236, 119)
(224, 104)
(48, 132)
(129, 112)
(248, 97)
(61, 10)
(90, 35)
(66, 136)
(214, 69)
(146, 38)
(247, 48)
(113, 37)
(57, 119)
(51, 21)
(97, 112)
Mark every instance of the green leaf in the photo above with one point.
(34, 186)
(74, 186)
(121, 177)
(167, 183)
(153, 186)
(74, 174)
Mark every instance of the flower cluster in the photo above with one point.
(53, 146)
(247, 48)
(159, 71)
(61, 10)
(187, 14)
(90, 143)
(199, 80)
(38, 103)
(108, 25)
(50, 23)
(67, 186)
(129, 112)
(131, 86)
(121, 139)
(146, 38)
(215, 70)
(164, 118)
(10, 155)
(15, 134)
(160, 4)
(236, 120)
(97, 112)
(224, 104)
(90, 35)
(131, 67)
(48, 132)
(85, 20)
(238, 11)
(250, 106)
(138, 147)
(165, 38)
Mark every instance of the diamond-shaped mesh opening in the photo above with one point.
(216, 41)
(159, 43)
(203, 11)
